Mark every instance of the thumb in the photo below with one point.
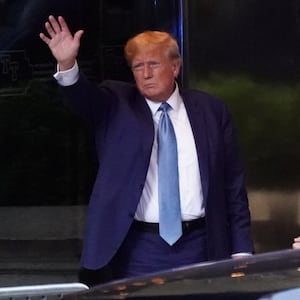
(78, 35)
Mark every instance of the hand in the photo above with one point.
(63, 45)
(296, 244)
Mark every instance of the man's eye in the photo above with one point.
(140, 67)
(137, 67)
(154, 65)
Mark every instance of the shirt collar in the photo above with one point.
(174, 101)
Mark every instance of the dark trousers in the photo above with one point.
(146, 252)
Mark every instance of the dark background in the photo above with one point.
(46, 154)
(246, 52)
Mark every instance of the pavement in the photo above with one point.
(31, 262)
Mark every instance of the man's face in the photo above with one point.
(154, 74)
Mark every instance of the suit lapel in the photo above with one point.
(198, 124)
(145, 121)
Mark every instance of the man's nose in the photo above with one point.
(147, 71)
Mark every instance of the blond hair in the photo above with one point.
(152, 39)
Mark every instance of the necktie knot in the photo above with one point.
(164, 107)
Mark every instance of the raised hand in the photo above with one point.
(63, 45)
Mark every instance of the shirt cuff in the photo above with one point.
(68, 77)
(241, 254)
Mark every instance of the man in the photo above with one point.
(200, 173)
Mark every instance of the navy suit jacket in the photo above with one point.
(124, 133)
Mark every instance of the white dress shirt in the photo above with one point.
(191, 196)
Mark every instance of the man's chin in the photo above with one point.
(153, 98)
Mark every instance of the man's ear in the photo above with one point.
(176, 69)
(176, 65)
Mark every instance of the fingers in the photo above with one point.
(49, 26)
(58, 34)
(62, 23)
(296, 244)
(44, 38)
(55, 26)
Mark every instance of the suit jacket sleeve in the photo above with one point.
(235, 190)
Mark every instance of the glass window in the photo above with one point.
(247, 53)
(47, 163)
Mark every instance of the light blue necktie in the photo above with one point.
(170, 228)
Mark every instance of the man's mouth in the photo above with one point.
(149, 85)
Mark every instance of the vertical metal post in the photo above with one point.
(183, 30)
